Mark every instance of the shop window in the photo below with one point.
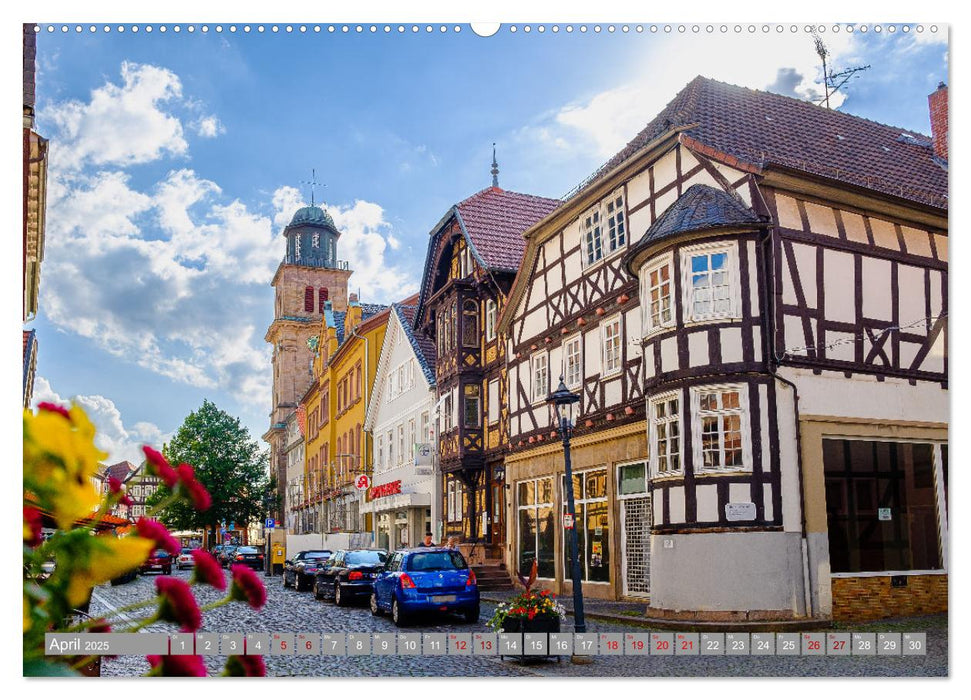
(592, 526)
(535, 510)
(882, 505)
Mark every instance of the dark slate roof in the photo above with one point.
(700, 207)
(339, 325)
(313, 216)
(369, 310)
(495, 219)
(424, 347)
(763, 129)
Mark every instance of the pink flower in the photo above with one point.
(33, 525)
(178, 603)
(114, 484)
(126, 501)
(160, 467)
(247, 587)
(245, 666)
(207, 570)
(177, 665)
(154, 530)
(54, 408)
(196, 491)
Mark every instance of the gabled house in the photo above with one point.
(473, 254)
(775, 273)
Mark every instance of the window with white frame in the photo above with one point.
(665, 427)
(411, 439)
(490, 319)
(710, 282)
(541, 376)
(591, 522)
(721, 428)
(616, 223)
(453, 500)
(573, 361)
(425, 428)
(592, 236)
(611, 340)
(380, 459)
(391, 461)
(448, 421)
(657, 290)
(401, 443)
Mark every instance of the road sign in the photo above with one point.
(568, 521)
(270, 523)
(362, 482)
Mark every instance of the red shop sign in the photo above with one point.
(389, 489)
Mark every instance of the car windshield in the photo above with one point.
(247, 550)
(436, 561)
(161, 553)
(186, 550)
(366, 557)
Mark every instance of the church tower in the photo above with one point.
(309, 281)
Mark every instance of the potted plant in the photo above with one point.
(528, 611)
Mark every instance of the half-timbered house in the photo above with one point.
(473, 254)
(788, 267)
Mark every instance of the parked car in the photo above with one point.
(251, 556)
(427, 580)
(184, 560)
(218, 549)
(299, 571)
(159, 560)
(226, 554)
(349, 574)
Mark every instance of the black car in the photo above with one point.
(299, 571)
(250, 556)
(349, 575)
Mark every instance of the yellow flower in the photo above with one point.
(60, 459)
(110, 557)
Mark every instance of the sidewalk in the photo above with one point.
(635, 613)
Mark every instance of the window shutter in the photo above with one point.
(308, 299)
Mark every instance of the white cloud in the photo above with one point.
(209, 127)
(602, 123)
(121, 124)
(121, 442)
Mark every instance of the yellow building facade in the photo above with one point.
(337, 448)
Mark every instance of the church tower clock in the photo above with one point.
(309, 282)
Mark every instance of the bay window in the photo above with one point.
(721, 428)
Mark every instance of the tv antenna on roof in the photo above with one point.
(313, 183)
(830, 84)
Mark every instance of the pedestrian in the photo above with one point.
(453, 542)
(428, 541)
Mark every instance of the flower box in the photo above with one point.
(540, 623)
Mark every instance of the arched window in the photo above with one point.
(324, 296)
(308, 299)
(470, 323)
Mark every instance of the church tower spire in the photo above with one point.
(495, 167)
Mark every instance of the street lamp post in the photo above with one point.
(561, 403)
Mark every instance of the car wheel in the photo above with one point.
(471, 615)
(397, 614)
(338, 599)
(298, 583)
(375, 610)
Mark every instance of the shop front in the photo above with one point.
(401, 513)
(611, 514)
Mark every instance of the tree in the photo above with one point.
(227, 461)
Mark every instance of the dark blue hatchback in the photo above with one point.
(425, 580)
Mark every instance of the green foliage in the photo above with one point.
(227, 461)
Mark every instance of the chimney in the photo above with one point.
(937, 101)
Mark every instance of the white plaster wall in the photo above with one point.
(728, 572)
(877, 290)
(892, 400)
(838, 278)
(789, 455)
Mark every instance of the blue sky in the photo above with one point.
(178, 158)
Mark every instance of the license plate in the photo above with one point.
(443, 598)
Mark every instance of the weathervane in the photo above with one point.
(313, 183)
(495, 167)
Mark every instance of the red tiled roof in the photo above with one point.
(495, 220)
(121, 470)
(761, 129)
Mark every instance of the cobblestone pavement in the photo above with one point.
(289, 611)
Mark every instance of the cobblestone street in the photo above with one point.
(289, 611)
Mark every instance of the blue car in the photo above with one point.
(425, 580)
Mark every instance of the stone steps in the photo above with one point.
(492, 577)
